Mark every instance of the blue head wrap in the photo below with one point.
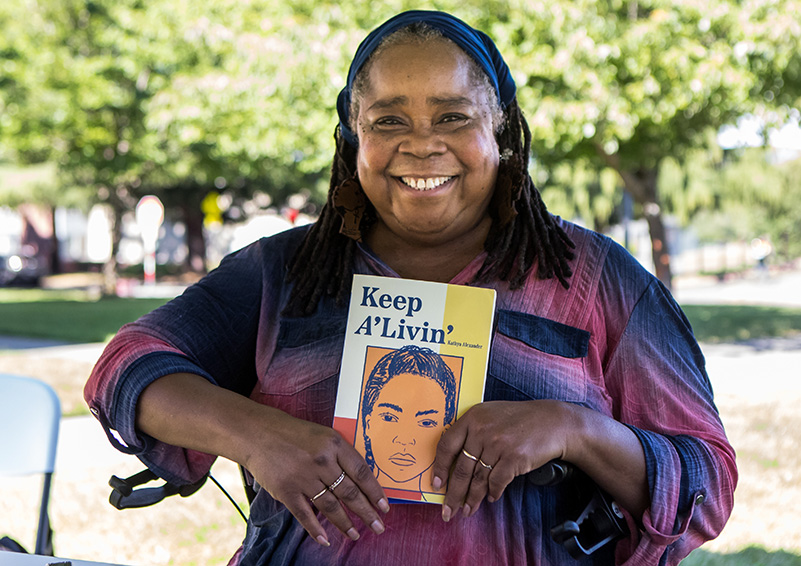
(476, 44)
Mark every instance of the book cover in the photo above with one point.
(415, 359)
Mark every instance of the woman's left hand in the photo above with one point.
(494, 442)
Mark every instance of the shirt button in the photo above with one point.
(699, 499)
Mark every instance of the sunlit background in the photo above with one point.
(672, 126)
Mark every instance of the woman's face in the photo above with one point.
(405, 426)
(427, 157)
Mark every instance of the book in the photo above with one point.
(414, 360)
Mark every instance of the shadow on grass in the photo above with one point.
(751, 556)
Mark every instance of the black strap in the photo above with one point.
(124, 496)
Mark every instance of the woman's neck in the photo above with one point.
(426, 260)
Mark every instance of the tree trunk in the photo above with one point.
(110, 266)
(641, 184)
(195, 241)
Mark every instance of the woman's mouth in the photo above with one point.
(425, 183)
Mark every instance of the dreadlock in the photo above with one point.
(523, 232)
(534, 236)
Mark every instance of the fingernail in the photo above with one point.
(383, 505)
(491, 499)
(466, 511)
(377, 526)
(323, 541)
(436, 483)
(353, 534)
(446, 513)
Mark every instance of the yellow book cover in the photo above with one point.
(415, 359)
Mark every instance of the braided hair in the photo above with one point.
(523, 233)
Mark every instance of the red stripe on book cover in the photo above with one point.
(346, 427)
(403, 494)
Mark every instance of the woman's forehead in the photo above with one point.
(438, 67)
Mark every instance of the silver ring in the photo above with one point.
(480, 461)
(336, 483)
(313, 499)
(469, 455)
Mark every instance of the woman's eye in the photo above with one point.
(388, 121)
(428, 423)
(453, 118)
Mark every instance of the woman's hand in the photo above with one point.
(301, 464)
(496, 441)
(493, 443)
(305, 465)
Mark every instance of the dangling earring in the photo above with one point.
(349, 202)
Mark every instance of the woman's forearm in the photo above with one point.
(611, 454)
(187, 410)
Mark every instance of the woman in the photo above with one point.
(592, 361)
(407, 402)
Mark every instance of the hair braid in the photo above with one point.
(323, 262)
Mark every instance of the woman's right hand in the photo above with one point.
(294, 460)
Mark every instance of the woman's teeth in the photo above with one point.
(425, 184)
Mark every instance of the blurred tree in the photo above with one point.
(129, 97)
(629, 84)
(771, 195)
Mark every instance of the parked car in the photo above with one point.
(21, 269)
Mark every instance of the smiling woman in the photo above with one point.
(591, 362)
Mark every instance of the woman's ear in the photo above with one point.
(367, 423)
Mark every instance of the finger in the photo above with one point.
(350, 496)
(362, 476)
(448, 450)
(328, 504)
(501, 476)
(458, 483)
(304, 513)
(479, 486)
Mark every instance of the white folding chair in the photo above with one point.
(30, 414)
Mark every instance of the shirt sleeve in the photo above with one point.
(210, 331)
(657, 378)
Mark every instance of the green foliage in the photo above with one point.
(753, 197)
(129, 97)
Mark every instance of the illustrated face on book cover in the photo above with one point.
(408, 402)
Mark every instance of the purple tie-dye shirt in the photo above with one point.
(615, 342)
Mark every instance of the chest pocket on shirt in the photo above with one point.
(537, 358)
(309, 350)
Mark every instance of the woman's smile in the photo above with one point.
(426, 183)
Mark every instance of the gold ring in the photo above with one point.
(313, 499)
(483, 464)
(469, 455)
(336, 483)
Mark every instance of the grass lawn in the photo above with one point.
(751, 556)
(729, 323)
(71, 316)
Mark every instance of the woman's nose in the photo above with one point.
(422, 142)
